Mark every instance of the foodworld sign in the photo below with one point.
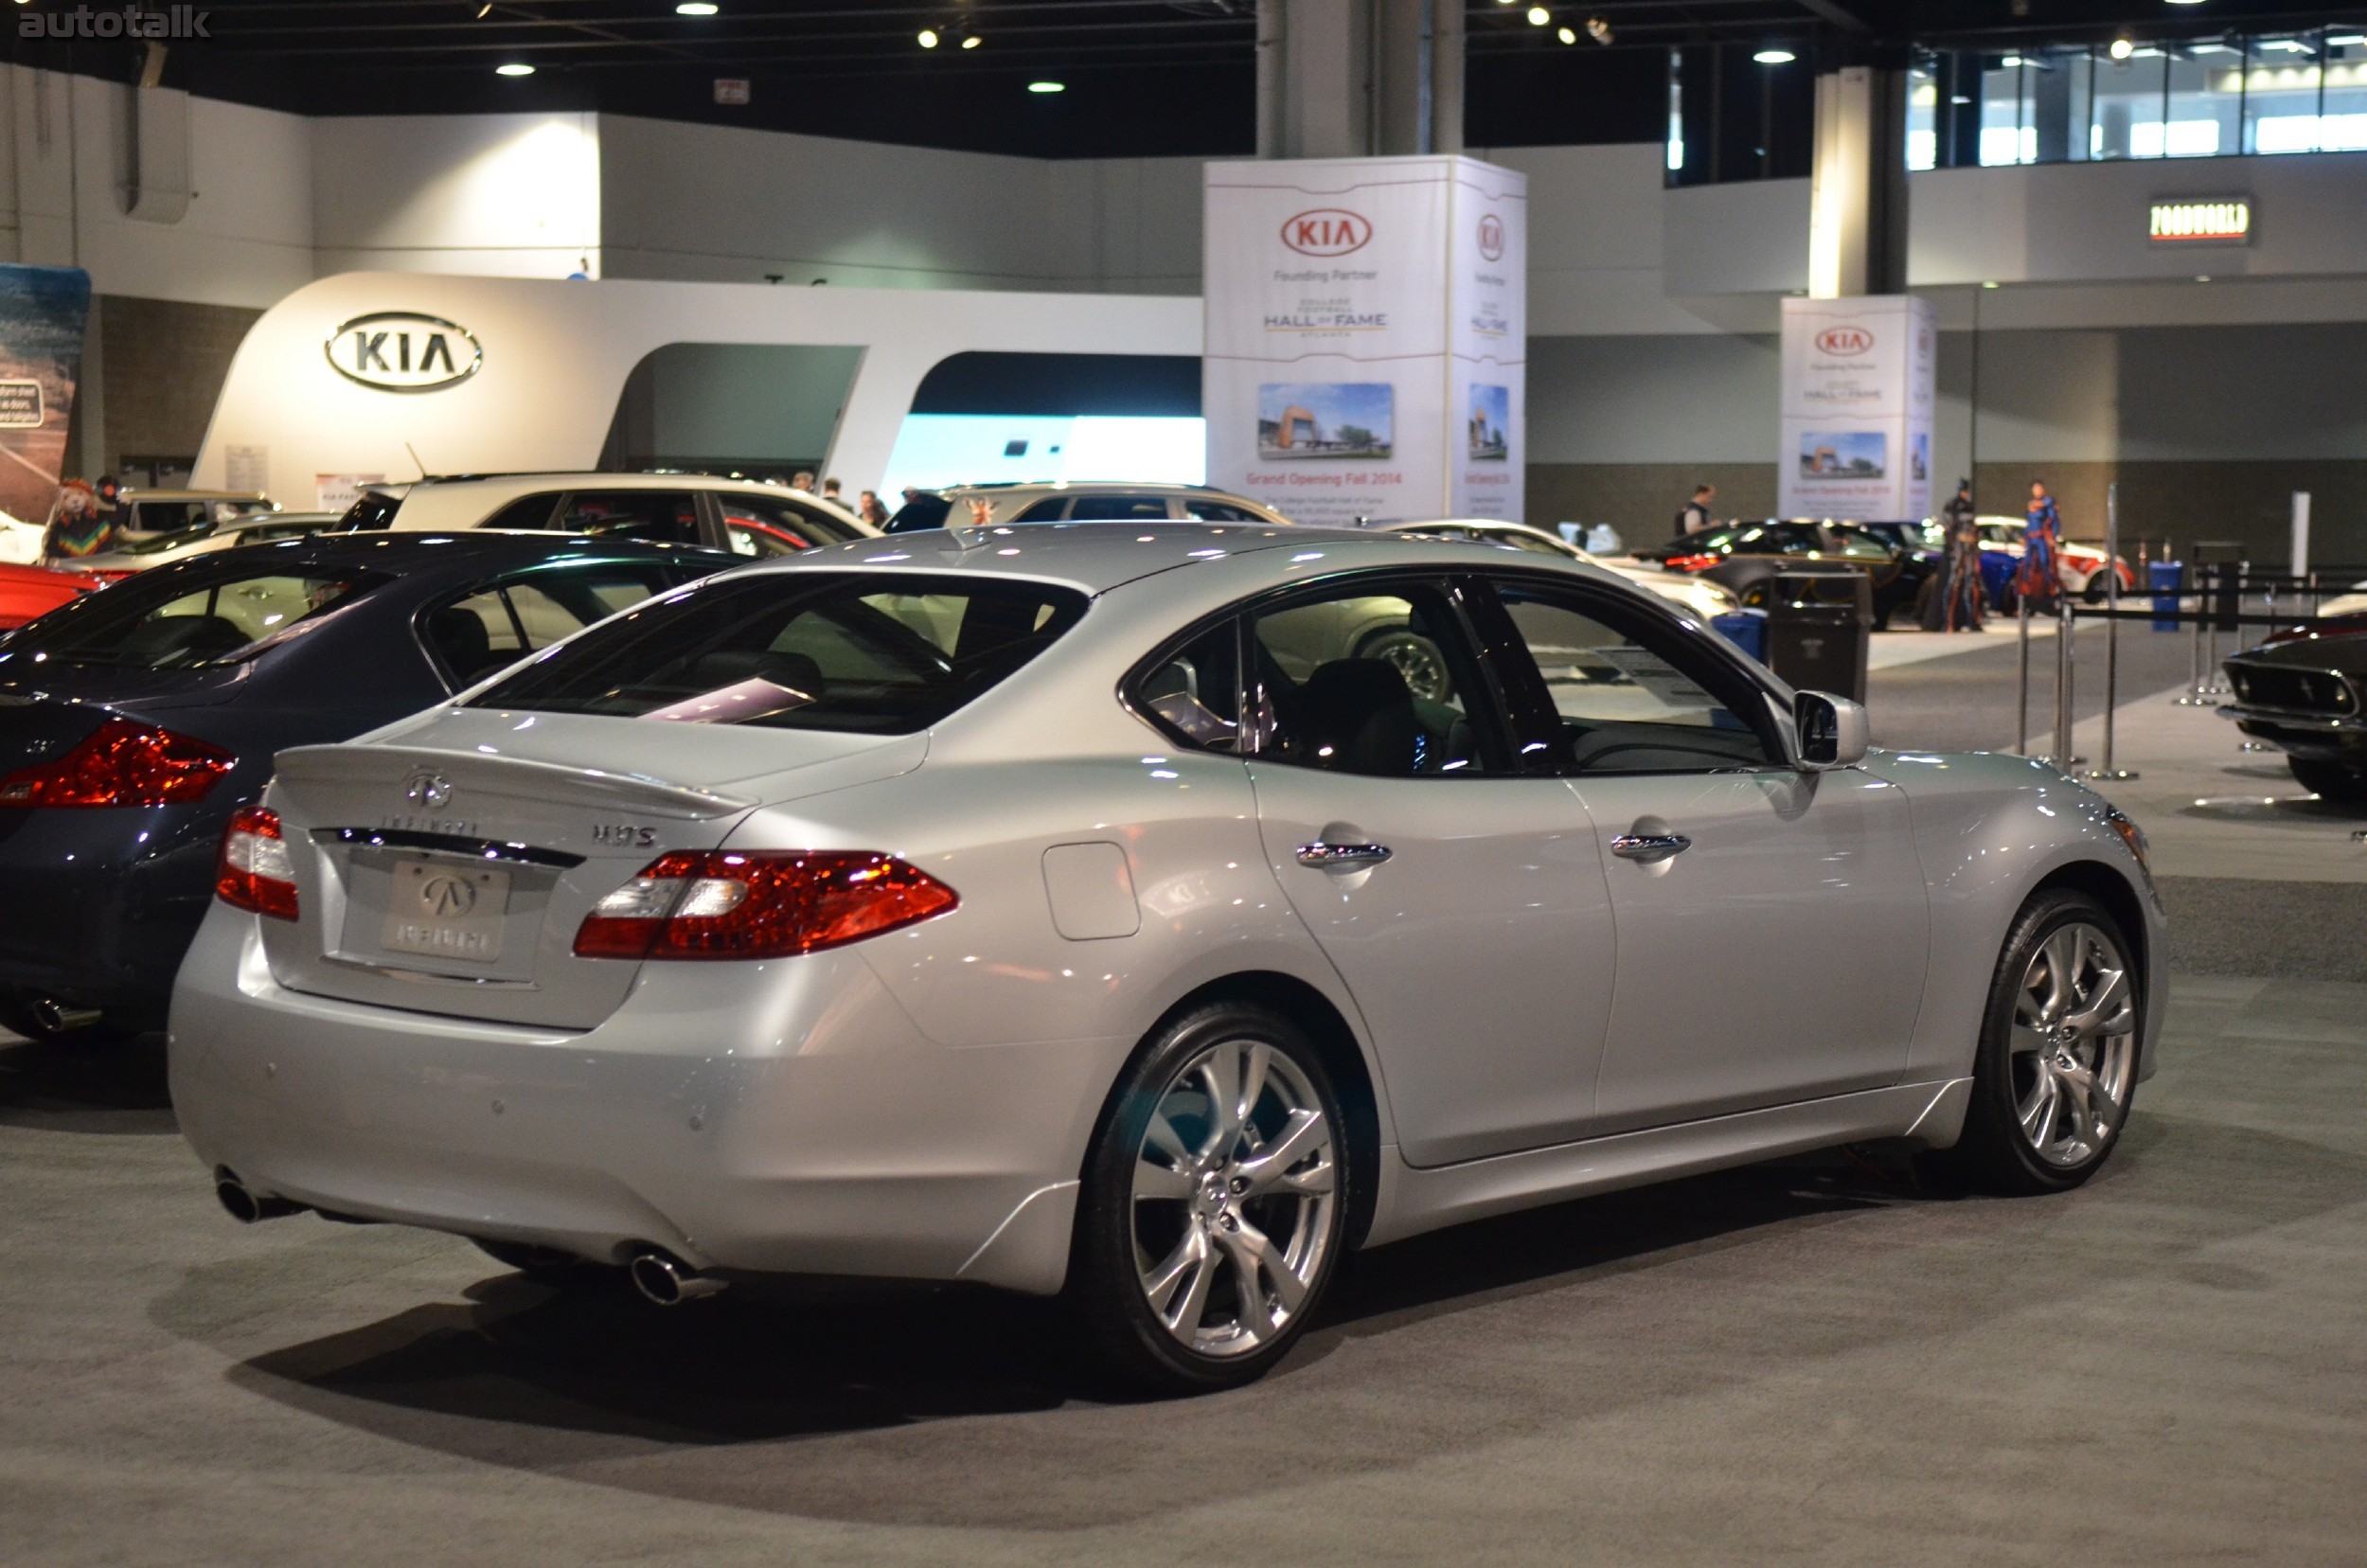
(404, 352)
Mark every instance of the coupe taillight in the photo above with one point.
(1692, 562)
(760, 905)
(255, 871)
(121, 764)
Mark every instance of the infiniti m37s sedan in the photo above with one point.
(1074, 909)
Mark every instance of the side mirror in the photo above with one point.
(1832, 730)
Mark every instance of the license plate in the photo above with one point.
(444, 911)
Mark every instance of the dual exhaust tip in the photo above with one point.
(54, 1017)
(658, 1276)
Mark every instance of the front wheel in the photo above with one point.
(2058, 1058)
(1214, 1203)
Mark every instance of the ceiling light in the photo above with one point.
(1774, 57)
(2291, 46)
(2347, 40)
(2012, 62)
(2185, 2)
(1539, 16)
(2123, 48)
(1565, 35)
(928, 38)
(1988, 285)
(1047, 86)
(973, 42)
(513, 68)
(697, 8)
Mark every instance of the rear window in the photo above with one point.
(866, 652)
(174, 620)
(371, 510)
(919, 513)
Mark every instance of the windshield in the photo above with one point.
(170, 619)
(866, 652)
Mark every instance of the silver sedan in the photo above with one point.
(1086, 909)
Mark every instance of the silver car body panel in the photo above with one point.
(921, 1105)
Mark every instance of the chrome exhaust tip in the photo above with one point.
(55, 1017)
(667, 1283)
(248, 1207)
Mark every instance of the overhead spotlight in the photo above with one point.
(1565, 35)
(513, 68)
(2185, 2)
(697, 8)
(1047, 86)
(973, 42)
(928, 38)
(2123, 48)
(1774, 57)
(482, 11)
(1539, 16)
(1598, 29)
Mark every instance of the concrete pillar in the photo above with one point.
(1857, 213)
(1355, 79)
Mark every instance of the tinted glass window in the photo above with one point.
(1194, 693)
(527, 512)
(1046, 510)
(870, 652)
(1625, 697)
(476, 634)
(920, 512)
(764, 526)
(1366, 683)
(170, 620)
(1218, 511)
(371, 510)
(1110, 508)
(667, 516)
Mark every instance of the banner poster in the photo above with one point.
(1365, 354)
(1857, 408)
(41, 314)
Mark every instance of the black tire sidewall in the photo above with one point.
(1993, 1150)
(1103, 1288)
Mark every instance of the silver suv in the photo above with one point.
(744, 516)
(1090, 501)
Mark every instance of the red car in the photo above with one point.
(30, 590)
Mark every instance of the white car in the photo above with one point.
(747, 516)
(1071, 909)
(1703, 597)
(1082, 501)
(20, 541)
(205, 539)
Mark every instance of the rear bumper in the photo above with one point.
(777, 1118)
(2320, 738)
(101, 904)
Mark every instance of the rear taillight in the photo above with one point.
(759, 904)
(255, 871)
(1691, 562)
(121, 764)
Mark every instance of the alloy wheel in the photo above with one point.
(1233, 1189)
(2074, 1045)
(1417, 659)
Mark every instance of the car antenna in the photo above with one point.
(415, 459)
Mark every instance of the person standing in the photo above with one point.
(1695, 516)
(1962, 595)
(802, 480)
(2041, 547)
(830, 491)
(870, 509)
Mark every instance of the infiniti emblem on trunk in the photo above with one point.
(431, 790)
(447, 896)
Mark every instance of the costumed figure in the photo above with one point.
(79, 528)
(1962, 595)
(2041, 537)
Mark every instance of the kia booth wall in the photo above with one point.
(1857, 436)
(1366, 339)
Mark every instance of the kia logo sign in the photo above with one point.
(405, 351)
(1492, 238)
(1325, 231)
(1845, 341)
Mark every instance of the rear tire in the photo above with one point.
(1214, 1203)
(2330, 781)
(2056, 1065)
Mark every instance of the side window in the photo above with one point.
(476, 634)
(1217, 512)
(1113, 509)
(1625, 695)
(527, 512)
(1195, 693)
(1368, 682)
(1045, 510)
(761, 526)
(665, 516)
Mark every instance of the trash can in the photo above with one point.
(1745, 629)
(2167, 578)
(1818, 625)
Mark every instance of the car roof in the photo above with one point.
(1098, 557)
(415, 553)
(1130, 487)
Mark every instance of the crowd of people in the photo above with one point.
(867, 507)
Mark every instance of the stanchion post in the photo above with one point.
(2111, 628)
(2064, 638)
(2022, 699)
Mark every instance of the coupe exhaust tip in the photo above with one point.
(55, 1017)
(248, 1207)
(668, 1283)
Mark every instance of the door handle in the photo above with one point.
(1648, 847)
(1342, 857)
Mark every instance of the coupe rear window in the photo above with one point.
(868, 652)
(170, 620)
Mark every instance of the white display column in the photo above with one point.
(1366, 345)
(1856, 391)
